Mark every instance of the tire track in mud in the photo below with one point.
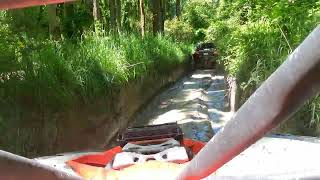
(197, 102)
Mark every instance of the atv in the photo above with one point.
(138, 145)
(205, 55)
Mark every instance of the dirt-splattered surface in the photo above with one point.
(197, 102)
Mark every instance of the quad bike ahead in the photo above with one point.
(205, 56)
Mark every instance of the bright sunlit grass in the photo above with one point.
(57, 73)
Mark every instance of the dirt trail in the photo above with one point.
(197, 102)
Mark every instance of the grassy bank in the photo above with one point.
(254, 38)
(40, 79)
(257, 39)
(54, 73)
(63, 73)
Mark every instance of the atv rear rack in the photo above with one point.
(150, 132)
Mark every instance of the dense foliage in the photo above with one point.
(54, 56)
(57, 57)
(59, 71)
(69, 51)
(254, 37)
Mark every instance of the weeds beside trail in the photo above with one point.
(49, 77)
(254, 38)
(61, 67)
(55, 73)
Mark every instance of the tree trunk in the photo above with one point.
(162, 15)
(40, 15)
(95, 13)
(118, 15)
(95, 10)
(156, 16)
(142, 17)
(112, 15)
(178, 8)
(53, 20)
(68, 22)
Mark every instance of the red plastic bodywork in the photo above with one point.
(89, 163)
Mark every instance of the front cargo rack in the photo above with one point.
(150, 132)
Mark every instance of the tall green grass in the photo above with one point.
(43, 82)
(56, 73)
(254, 38)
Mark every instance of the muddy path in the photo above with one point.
(197, 102)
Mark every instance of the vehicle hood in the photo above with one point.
(272, 157)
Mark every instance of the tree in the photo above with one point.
(53, 20)
(142, 17)
(178, 8)
(115, 15)
(156, 5)
(118, 14)
(68, 27)
(112, 15)
(162, 16)
(95, 13)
